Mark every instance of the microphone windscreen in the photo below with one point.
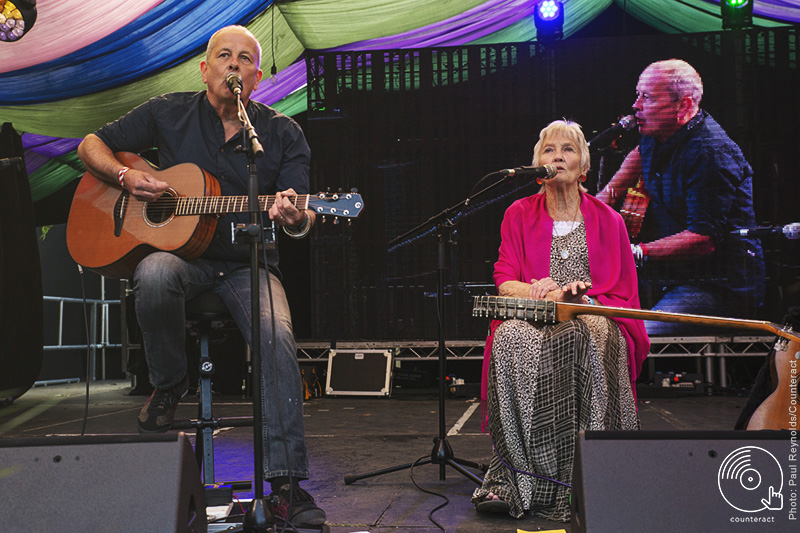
(627, 122)
(234, 82)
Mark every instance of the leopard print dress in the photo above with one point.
(545, 384)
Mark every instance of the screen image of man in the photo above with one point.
(700, 190)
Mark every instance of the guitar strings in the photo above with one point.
(215, 201)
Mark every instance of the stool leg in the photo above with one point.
(208, 432)
(204, 447)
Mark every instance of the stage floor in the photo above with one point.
(348, 435)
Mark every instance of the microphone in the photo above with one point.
(790, 231)
(234, 83)
(545, 171)
(611, 134)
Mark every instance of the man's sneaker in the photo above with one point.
(304, 512)
(158, 412)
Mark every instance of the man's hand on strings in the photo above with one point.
(144, 186)
(283, 211)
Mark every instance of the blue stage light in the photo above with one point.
(549, 19)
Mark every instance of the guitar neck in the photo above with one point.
(213, 205)
(500, 307)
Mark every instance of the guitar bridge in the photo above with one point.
(120, 208)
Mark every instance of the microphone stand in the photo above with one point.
(605, 142)
(258, 517)
(442, 453)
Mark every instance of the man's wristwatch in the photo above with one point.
(639, 254)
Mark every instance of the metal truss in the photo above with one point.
(711, 346)
(402, 350)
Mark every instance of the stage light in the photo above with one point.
(549, 20)
(16, 18)
(736, 14)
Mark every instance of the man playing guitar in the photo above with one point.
(203, 128)
(698, 187)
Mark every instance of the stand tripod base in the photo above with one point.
(258, 518)
(442, 455)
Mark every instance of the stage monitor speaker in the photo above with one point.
(684, 481)
(101, 483)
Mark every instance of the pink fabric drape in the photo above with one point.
(65, 26)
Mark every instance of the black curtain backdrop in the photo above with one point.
(20, 276)
(415, 134)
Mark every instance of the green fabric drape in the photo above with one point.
(54, 174)
(330, 23)
(683, 16)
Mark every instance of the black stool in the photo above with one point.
(202, 311)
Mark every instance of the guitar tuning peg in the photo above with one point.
(324, 219)
(354, 189)
(339, 190)
(336, 221)
(349, 222)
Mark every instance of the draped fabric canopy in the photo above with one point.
(86, 63)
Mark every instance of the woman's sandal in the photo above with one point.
(492, 506)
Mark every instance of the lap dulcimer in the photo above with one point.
(775, 412)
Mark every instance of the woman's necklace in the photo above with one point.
(564, 240)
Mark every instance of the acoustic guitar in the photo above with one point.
(109, 231)
(778, 411)
(634, 208)
(773, 413)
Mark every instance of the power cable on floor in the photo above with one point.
(441, 506)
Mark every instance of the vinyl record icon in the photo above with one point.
(745, 477)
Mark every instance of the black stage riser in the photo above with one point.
(108, 483)
(667, 481)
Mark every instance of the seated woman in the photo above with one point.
(544, 383)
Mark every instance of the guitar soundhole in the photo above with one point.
(162, 210)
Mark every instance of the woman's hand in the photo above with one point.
(570, 293)
(540, 289)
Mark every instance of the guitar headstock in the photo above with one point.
(336, 204)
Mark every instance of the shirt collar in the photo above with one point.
(684, 130)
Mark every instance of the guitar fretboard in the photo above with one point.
(211, 205)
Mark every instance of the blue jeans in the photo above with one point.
(163, 283)
(689, 299)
